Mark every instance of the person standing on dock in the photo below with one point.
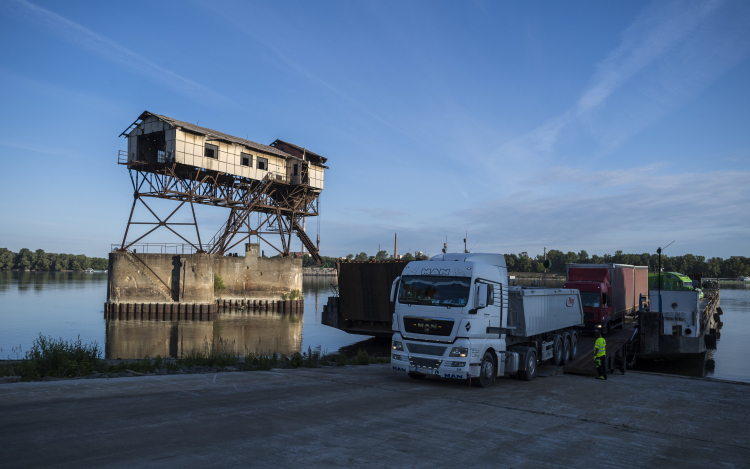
(600, 352)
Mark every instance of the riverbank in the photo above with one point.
(356, 416)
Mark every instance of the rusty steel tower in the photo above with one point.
(280, 183)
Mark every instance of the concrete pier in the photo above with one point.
(187, 281)
(366, 416)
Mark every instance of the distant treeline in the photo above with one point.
(688, 264)
(308, 261)
(26, 259)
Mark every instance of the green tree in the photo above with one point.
(7, 259)
(583, 257)
(381, 255)
(24, 259)
(362, 256)
(511, 261)
(524, 262)
(42, 260)
(407, 257)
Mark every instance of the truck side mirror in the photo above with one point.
(394, 289)
(480, 300)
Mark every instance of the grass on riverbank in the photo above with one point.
(56, 358)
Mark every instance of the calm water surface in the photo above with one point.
(69, 305)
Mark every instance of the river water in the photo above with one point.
(68, 305)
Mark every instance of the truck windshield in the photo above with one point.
(590, 299)
(434, 290)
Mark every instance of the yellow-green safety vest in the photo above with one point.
(600, 347)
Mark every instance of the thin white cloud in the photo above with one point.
(657, 30)
(85, 38)
(674, 49)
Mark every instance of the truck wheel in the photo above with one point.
(557, 351)
(566, 349)
(486, 371)
(416, 375)
(530, 372)
(573, 345)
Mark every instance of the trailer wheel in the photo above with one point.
(486, 371)
(573, 345)
(557, 351)
(529, 372)
(416, 375)
(566, 349)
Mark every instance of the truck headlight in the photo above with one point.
(459, 352)
(458, 364)
(398, 345)
(401, 358)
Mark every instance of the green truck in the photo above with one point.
(670, 281)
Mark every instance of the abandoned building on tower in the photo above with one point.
(268, 191)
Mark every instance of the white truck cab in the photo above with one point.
(455, 317)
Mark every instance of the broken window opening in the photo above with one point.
(151, 147)
(263, 163)
(246, 159)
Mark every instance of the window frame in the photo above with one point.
(249, 157)
(214, 148)
(265, 163)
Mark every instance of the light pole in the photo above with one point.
(658, 251)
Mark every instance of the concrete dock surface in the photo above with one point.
(366, 416)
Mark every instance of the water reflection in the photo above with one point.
(36, 282)
(238, 331)
(698, 365)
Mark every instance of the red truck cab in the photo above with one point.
(595, 287)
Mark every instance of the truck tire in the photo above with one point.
(557, 350)
(416, 375)
(529, 371)
(566, 349)
(486, 371)
(573, 345)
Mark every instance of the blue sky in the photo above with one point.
(567, 125)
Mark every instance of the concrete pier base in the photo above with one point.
(183, 287)
(160, 311)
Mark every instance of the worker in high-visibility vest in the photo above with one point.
(600, 352)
